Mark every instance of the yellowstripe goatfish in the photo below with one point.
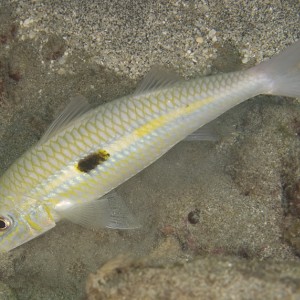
(86, 153)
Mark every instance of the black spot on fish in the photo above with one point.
(91, 161)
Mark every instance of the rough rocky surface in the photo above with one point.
(204, 278)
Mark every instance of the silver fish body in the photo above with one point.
(83, 156)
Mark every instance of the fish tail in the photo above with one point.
(281, 74)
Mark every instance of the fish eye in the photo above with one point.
(4, 223)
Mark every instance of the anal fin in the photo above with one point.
(206, 133)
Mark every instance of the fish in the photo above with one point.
(73, 170)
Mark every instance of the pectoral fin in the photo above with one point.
(109, 211)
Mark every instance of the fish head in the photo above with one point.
(18, 226)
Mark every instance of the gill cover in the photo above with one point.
(17, 228)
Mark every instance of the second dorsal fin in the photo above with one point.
(157, 78)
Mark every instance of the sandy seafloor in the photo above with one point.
(220, 219)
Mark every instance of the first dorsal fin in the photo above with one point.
(76, 108)
(157, 78)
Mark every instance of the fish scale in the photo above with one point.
(83, 156)
(109, 123)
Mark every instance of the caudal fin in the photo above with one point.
(281, 73)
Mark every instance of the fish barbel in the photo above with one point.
(86, 153)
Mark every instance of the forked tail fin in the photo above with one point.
(281, 73)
